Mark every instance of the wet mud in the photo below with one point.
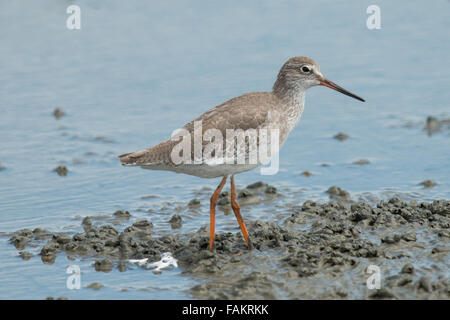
(318, 251)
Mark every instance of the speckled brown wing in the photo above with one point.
(249, 111)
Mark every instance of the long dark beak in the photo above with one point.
(332, 85)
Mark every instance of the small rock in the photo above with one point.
(95, 286)
(48, 253)
(39, 231)
(360, 211)
(391, 238)
(444, 233)
(425, 284)
(19, 241)
(142, 224)
(410, 237)
(58, 113)
(194, 203)
(341, 292)
(87, 225)
(341, 136)
(175, 221)
(235, 259)
(271, 190)
(257, 185)
(103, 265)
(246, 197)
(107, 232)
(61, 171)
(25, 255)
(25, 233)
(224, 199)
(439, 249)
(62, 239)
(433, 125)
(306, 173)
(398, 281)
(204, 255)
(361, 162)
(404, 281)
(408, 268)
(122, 214)
(245, 194)
(382, 293)
(87, 221)
(335, 192)
(428, 183)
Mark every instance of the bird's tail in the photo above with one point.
(125, 159)
(155, 155)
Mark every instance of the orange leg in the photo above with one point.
(212, 212)
(237, 212)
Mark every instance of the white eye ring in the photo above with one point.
(305, 69)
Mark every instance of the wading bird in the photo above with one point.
(279, 109)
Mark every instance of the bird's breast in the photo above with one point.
(287, 117)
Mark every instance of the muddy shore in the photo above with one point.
(319, 251)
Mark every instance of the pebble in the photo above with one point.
(58, 113)
(25, 255)
(341, 136)
(428, 183)
(142, 224)
(271, 190)
(104, 265)
(335, 192)
(361, 162)
(61, 171)
(425, 284)
(382, 293)
(306, 173)
(194, 203)
(95, 286)
(175, 221)
(257, 185)
(122, 214)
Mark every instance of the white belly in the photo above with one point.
(204, 170)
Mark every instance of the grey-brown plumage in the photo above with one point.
(276, 111)
(244, 112)
(279, 109)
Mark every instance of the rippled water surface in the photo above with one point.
(138, 70)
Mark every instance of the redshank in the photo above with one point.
(279, 109)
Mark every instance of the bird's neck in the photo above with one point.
(292, 101)
(291, 96)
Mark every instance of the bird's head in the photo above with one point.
(301, 73)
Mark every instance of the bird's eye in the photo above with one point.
(306, 69)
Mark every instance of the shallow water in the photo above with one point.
(137, 71)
